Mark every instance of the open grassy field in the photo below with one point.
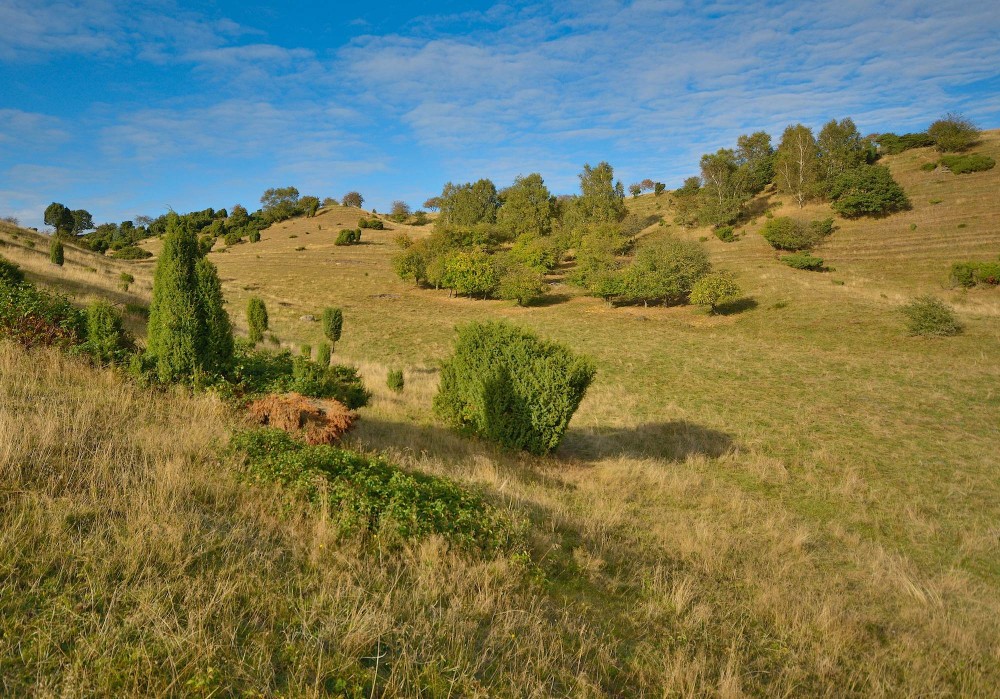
(791, 499)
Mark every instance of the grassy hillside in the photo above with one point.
(796, 499)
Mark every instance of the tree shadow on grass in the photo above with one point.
(675, 441)
(546, 300)
(733, 307)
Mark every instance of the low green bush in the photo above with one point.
(125, 280)
(786, 233)
(108, 342)
(715, 289)
(506, 385)
(891, 144)
(970, 274)
(56, 253)
(132, 252)
(374, 224)
(371, 496)
(964, 164)
(395, 381)
(254, 236)
(260, 371)
(323, 352)
(803, 260)
(10, 273)
(928, 315)
(348, 237)
(725, 233)
(928, 167)
(232, 239)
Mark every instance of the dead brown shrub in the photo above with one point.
(317, 420)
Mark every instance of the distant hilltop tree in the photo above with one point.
(280, 203)
(60, 218)
(647, 185)
(400, 211)
(953, 133)
(353, 199)
(82, 221)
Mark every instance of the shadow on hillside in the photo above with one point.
(547, 300)
(78, 287)
(450, 446)
(674, 441)
(734, 307)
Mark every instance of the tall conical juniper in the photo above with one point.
(189, 332)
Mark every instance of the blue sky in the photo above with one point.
(128, 108)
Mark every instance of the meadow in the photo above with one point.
(792, 498)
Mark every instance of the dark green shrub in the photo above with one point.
(125, 280)
(108, 342)
(374, 224)
(785, 233)
(371, 496)
(232, 239)
(10, 273)
(56, 253)
(928, 167)
(725, 233)
(964, 164)
(306, 351)
(260, 371)
(132, 252)
(189, 334)
(822, 228)
(868, 190)
(803, 260)
(257, 320)
(323, 352)
(891, 144)
(928, 315)
(333, 325)
(254, 236)
(394, 380)
(348, 237)
(506, 385)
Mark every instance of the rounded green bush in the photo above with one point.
(394, 380)
(928, 315)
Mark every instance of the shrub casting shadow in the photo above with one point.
(548, 300)
(675, 441)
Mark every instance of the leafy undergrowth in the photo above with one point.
(372, 496)
(262, 372)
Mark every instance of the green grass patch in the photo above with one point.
(372, 496)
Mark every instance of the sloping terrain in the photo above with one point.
(794, 499)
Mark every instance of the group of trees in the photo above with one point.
(67, 223)
(836, 165)
(647, 185)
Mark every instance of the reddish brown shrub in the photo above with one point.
(317, 420)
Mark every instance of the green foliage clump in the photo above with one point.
(665, 270)
(470, 273)
(506, 385)
(257, 320)
(260, 371)
(714, 289)
(970, 274)
(323, 352)
(371, 496)
(520, 283)
(928, 315)
(725, 233)
(964, 164)
(56, 253)
(10, 273)
(803, 260)
(132, 252)
(125, 280)
(394, 380)
(892, 144)
(372, 223)
(348, 236)
(786, 233)
(108, 342)
(868, 190)
(232, 239)
(953, 133)
(333, 325)
(189, 333)
(306, 350)
(929, 167)
(254, 236)
(34, 317)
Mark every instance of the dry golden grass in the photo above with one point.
(792, 500)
